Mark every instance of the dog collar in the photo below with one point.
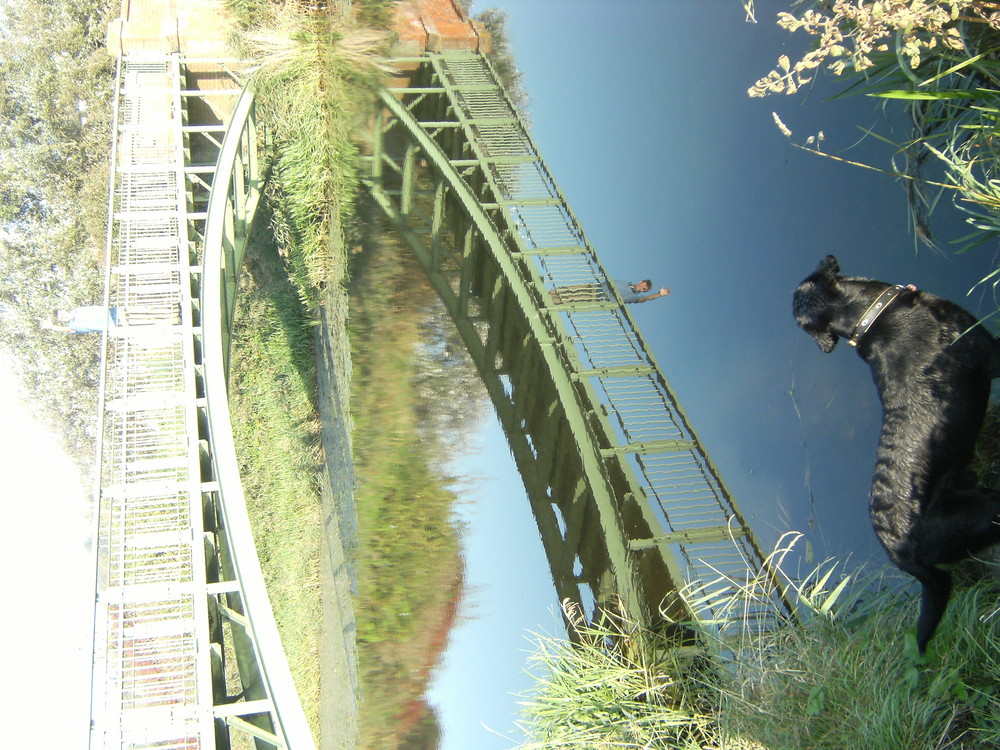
(877, 307)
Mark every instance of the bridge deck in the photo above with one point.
(151, 643)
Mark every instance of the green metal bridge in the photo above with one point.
(186, 651)
(628, 503)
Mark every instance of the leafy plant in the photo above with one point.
(856, 35)
(937, 60)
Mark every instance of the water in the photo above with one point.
(676, 175)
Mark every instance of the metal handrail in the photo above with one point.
(261, 626)
(99, 450)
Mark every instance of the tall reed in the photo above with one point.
(313, 73)
(846, 674)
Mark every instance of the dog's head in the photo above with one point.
(813, 300)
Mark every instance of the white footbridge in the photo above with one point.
(186, 651)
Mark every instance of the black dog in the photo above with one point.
(932, 365)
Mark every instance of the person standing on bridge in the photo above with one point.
(85, 319)
(91, 318)
(640, 291)
(630, 292)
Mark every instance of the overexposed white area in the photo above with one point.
(48, 583)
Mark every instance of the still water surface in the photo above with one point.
(676, 175)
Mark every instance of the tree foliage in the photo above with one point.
(414, 397)
(55, 88)
(450, 396)
(501, 54)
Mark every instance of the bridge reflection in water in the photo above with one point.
(186, 651)
(628, 501)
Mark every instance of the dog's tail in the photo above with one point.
(936, 591)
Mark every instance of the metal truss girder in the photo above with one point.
(626, 587)
(520, 447)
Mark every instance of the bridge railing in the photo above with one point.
(151, 630)
(261, 659)
(179, 594)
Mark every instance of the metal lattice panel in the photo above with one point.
(152, 671)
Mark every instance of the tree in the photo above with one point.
(501, 56)
(55, 114)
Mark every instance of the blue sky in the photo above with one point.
(639, 108)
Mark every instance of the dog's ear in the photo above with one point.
(812, 314)
(828, 266)
(811, 304)
(824, 337)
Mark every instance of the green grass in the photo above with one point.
(830, 685)
(850, 677)
(276, 431)
(314, 75)
(615, 687)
